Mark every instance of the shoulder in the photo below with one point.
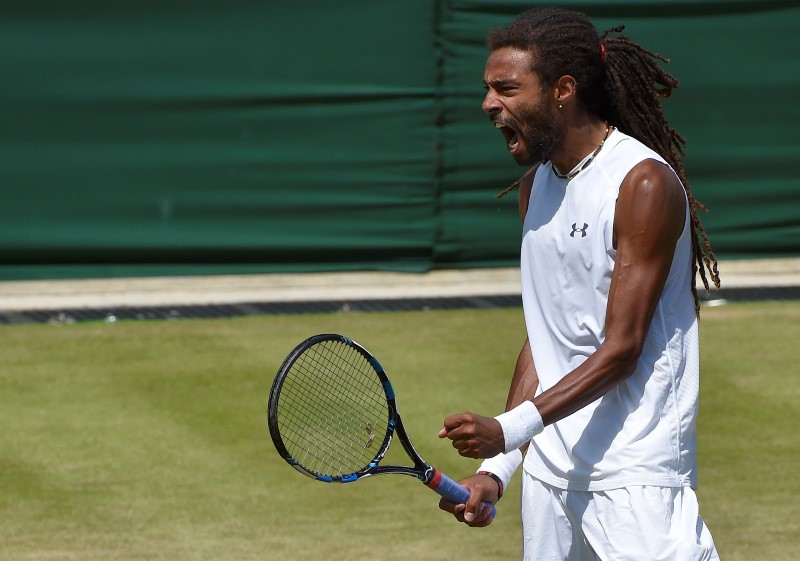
(525, 186)
(652, 178)
(651, 197)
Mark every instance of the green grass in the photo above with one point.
(148, 440)
(750, 429)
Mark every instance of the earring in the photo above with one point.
(560, 106)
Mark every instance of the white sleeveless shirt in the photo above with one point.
(642, 432)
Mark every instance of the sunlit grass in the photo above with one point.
(148, 440)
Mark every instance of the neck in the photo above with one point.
(581, 139)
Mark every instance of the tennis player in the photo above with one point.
(604, 396)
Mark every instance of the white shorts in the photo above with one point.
(639, 523)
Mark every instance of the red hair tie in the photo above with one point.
(603, 53)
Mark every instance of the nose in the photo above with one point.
(490, 104)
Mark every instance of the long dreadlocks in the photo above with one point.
(621, 82)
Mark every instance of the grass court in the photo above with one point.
(147, 440)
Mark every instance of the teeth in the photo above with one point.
(514, 144)
(498, 124)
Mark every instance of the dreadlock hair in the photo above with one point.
(621, 82)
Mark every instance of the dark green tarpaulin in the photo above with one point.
(145, 137)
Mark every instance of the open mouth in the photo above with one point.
(511, 136)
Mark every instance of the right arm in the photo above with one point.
(523, 387)
(524, 193)
(482, 487)
(525, 380)
(523, 384)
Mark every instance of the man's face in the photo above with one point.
(518, 105)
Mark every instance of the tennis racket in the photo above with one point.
(332, 416)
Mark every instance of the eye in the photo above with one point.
(505, 88)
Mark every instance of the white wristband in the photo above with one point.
(520, 425)
(503, 466)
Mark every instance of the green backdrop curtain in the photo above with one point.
(188, 137)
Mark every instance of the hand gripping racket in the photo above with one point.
(332, 415)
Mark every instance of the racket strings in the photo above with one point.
(357, 424)
(328, 438)
(333, 411)
(369, 399)
(333, 443)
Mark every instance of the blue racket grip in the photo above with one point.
(452, 491)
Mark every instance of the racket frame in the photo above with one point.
(427, 474)
(421, 470)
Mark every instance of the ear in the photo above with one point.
(565, 89)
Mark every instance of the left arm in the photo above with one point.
(649, 218)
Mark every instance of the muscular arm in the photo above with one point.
(650, 215)
(524, 382)
(523, 387)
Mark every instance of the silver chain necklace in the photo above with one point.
(570, 176)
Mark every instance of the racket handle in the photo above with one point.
(452, 491)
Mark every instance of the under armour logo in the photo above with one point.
(575, 229)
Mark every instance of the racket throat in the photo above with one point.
(423, 471)
(431, 477)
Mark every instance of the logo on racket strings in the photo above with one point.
(370, 435)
